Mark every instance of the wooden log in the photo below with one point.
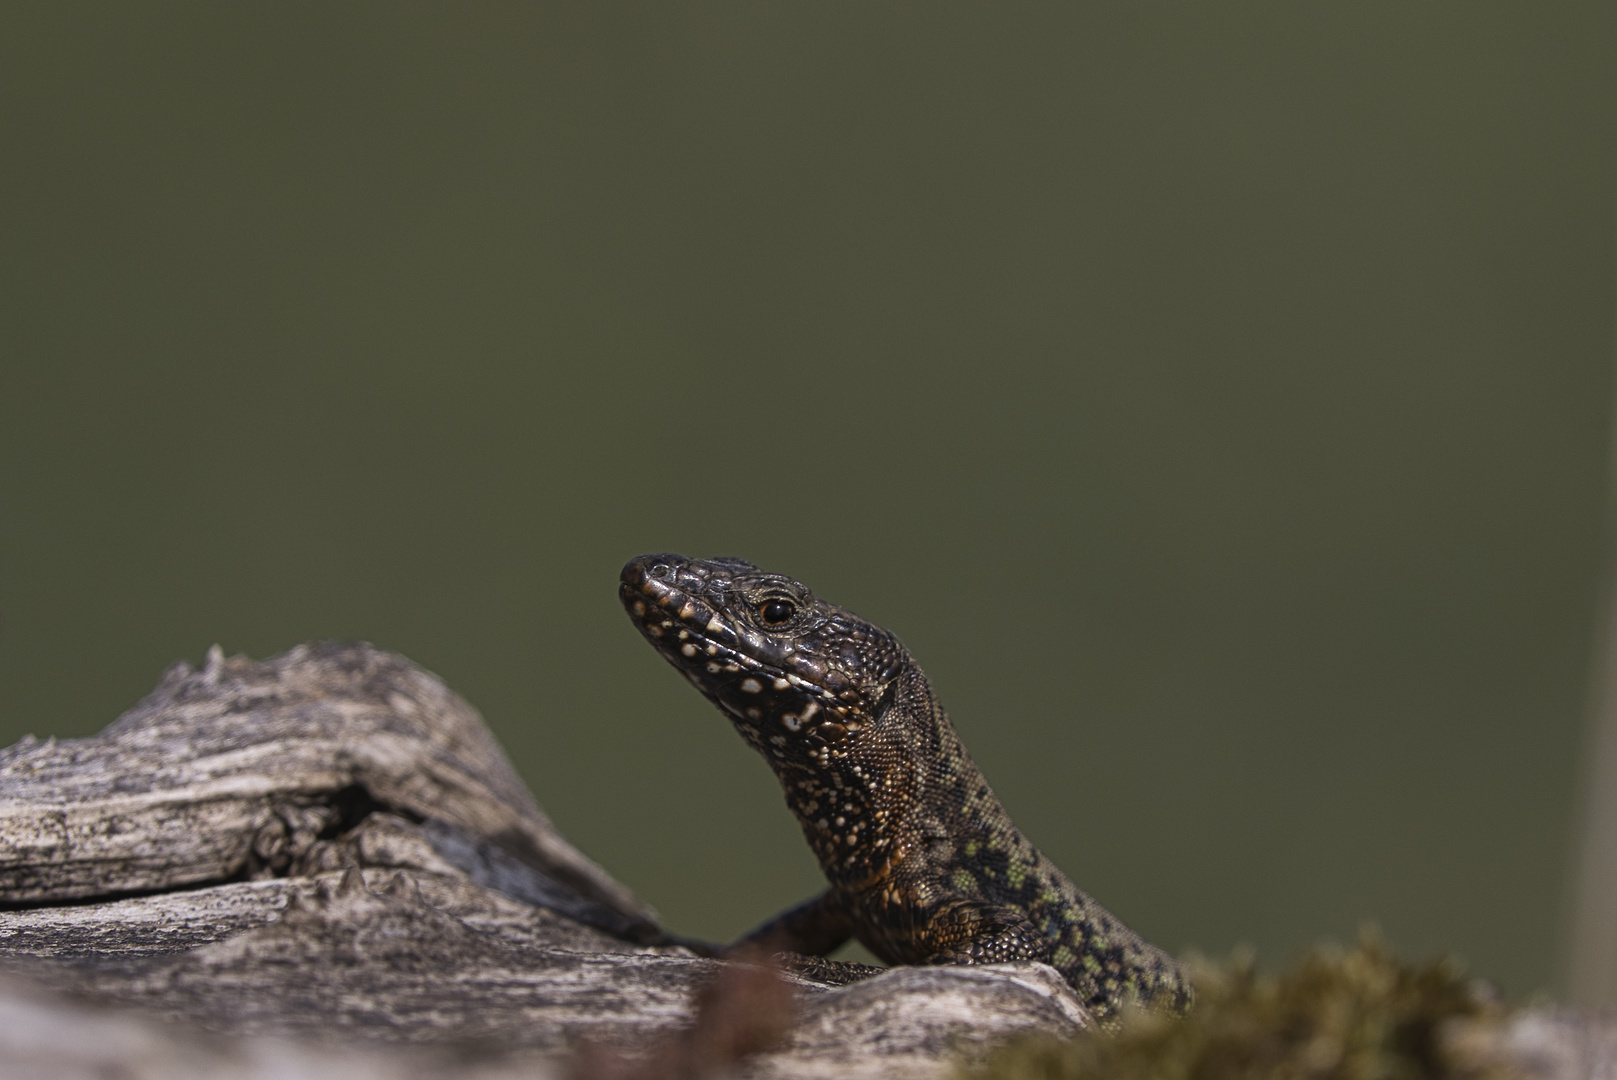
(308, 865)
(322, 866)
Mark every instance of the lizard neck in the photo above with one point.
(899, 788)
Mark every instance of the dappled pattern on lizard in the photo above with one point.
(924, 864)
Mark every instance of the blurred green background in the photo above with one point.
(1215, 398)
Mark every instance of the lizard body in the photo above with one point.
(924, 864)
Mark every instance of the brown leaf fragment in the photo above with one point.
(745, 1010)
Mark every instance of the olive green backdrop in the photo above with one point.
(1215, 398)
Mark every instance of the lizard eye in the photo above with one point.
(776, 611)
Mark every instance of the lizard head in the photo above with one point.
(800, 678)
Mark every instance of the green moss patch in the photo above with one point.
(1354, 1014)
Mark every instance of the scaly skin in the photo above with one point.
(924, 864)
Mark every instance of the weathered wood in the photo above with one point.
(243, 767)
(334, 858)
(322, 866)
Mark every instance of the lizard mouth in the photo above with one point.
(660, 593)
(674, 618)
(675, 603)
(689, 648)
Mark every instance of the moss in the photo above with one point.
(1338, 1015)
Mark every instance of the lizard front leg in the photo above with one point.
(799, 938)
(814, 928)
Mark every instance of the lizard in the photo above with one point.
(923, 864)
